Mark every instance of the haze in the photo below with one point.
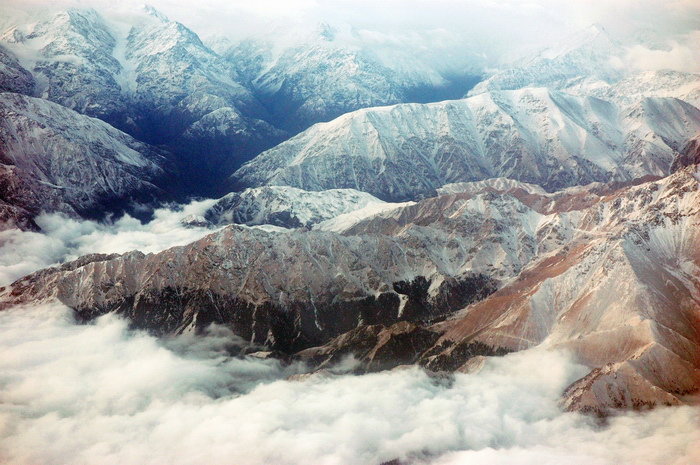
(494, 29)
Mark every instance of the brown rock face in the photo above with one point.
(290, 291)
(623, 296)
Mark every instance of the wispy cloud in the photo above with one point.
(677, 57)
(65, 239)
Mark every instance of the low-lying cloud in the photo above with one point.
(63, 238)
(102, 394)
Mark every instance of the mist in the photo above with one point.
(63, 239)
(450, 35)
(103, 394)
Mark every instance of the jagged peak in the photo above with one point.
(166, 33)
(70, 19)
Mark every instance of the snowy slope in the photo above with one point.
(54, 159)
(591, 63)
(305, 77)
(177, 76)
(660, 84)
(585, 58)
(287, 206)
(148, 76)
(319, 83)
(70, 55)
(536, 136)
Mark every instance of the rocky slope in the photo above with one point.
(588, 241)
(412, 262)
(609, 273)
(54, 159)
(537, 136)
(623, 295)
(286, 290)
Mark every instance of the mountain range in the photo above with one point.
(555, 205)
(609, 273)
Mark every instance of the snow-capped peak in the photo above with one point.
(594, 36)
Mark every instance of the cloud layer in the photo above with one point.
(100, 394)
(64, 239)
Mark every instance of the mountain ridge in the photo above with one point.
(547, 295)
(538, 136)
(54, 159)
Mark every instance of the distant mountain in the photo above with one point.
(591, 63)
(660, 84)
(585, 58)
(319, 83)
(538, 136)
(322, 77)
(155, 79)
(54, 159)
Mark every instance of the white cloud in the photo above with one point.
(65, 239)
(100, 394)
(678, 57)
